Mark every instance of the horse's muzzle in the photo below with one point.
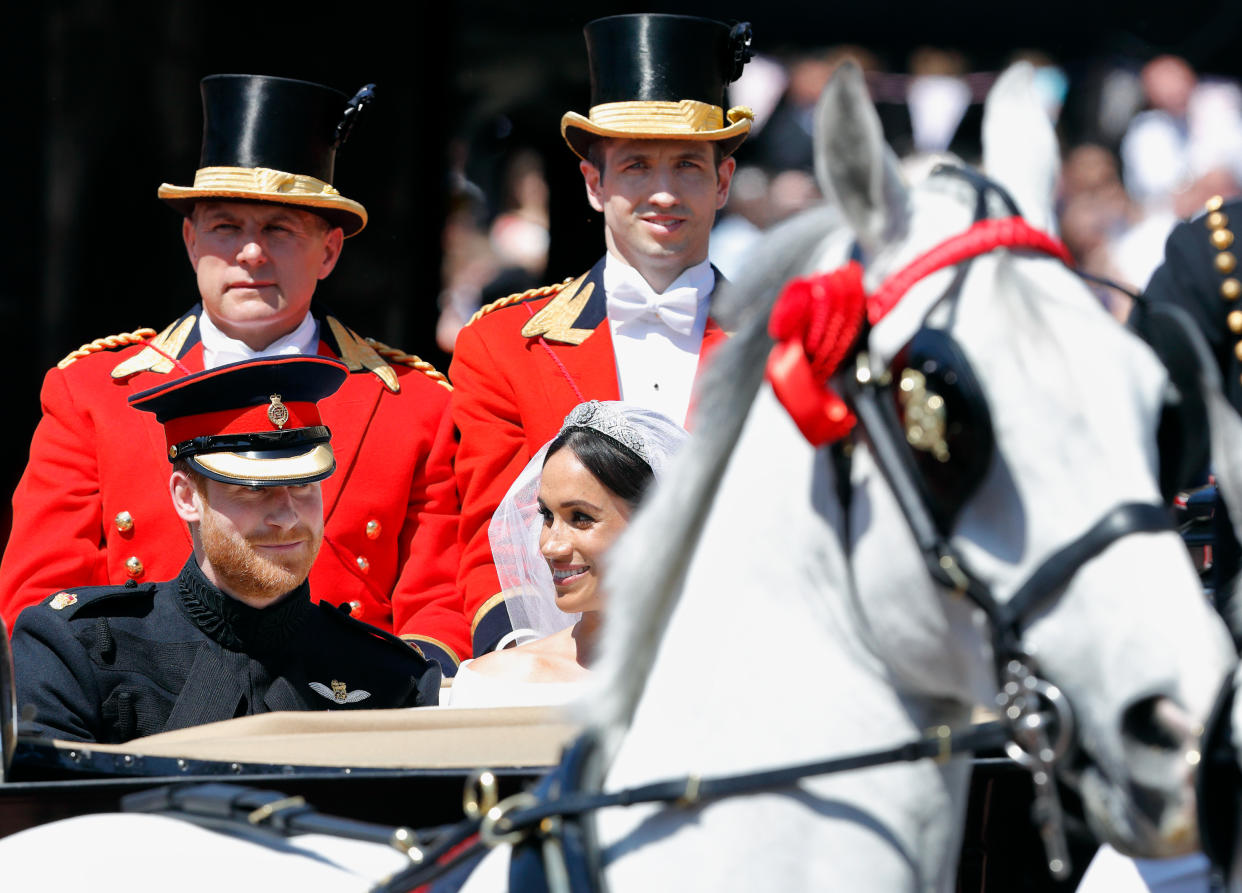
(1149, 809)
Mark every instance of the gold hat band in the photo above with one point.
(687, 119)
(266, 184)
(260, 179)
(685, 116)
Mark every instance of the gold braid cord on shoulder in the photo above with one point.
(109, 343)
(542, 291)
(393, 355)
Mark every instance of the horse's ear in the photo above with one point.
(854, 165)
(1020, 146)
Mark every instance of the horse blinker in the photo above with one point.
(944, 415)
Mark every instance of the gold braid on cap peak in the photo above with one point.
(394, 355)
(111, 342)
(543, 291)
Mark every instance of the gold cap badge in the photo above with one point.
(277, 413)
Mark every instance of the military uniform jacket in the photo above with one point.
(518, 369)
(112, 663)
(1200, 274)
(92, 507)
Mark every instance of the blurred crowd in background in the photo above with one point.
(1144, 144)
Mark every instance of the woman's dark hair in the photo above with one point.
(614, 465)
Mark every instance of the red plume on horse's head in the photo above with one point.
(816, 321)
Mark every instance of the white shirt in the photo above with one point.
(219, 349)
(656, 365)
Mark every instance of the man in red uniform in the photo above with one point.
(262, 226)
(655, 158)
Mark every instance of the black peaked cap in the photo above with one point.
(298, 379)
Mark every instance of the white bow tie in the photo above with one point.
(676, 308)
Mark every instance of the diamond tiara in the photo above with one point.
(610, 422)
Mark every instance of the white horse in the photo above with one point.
(791, 628)
(757, 621)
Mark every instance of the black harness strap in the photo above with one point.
(1059, 567)
(517, 820)
(691, 790)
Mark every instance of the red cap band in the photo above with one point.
(248, 420)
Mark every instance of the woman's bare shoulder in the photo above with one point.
(550, 659)
(513, 663)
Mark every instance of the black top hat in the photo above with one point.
(273, 139)
(662, 77)
(253, 423)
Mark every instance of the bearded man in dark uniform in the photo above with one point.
(234, 633)
(655, 156)
(262, 225)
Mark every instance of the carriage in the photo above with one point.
(416, 769)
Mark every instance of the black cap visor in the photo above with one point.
(267, 459)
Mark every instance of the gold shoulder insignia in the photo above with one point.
(357, 354)
(62, 600)
(393, 355)
(530, 294)
(154, 358)
(108, 343)
(555, 321)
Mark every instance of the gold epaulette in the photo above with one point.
(109, 343)
(357, 354)
(543, 291)
(393, 355)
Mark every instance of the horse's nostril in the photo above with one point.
(1146, 723)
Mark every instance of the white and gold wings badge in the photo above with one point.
(340, 693)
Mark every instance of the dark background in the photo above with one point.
(102, 105)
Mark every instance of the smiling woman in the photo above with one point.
(550, 538)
